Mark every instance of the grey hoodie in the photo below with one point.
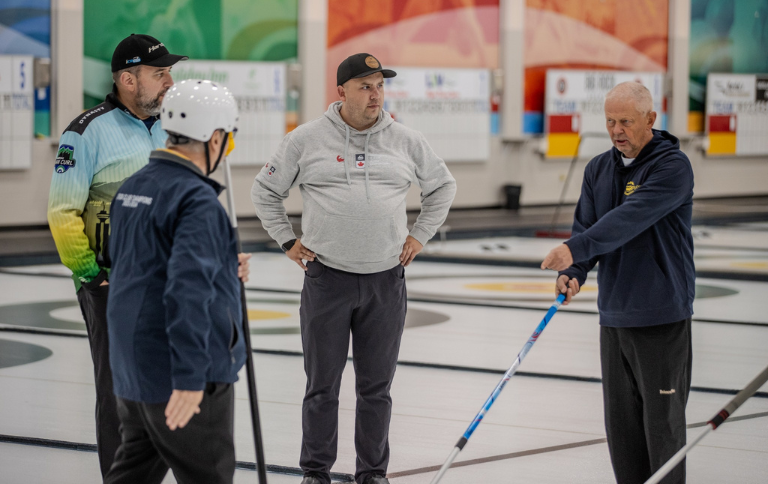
(353, 185)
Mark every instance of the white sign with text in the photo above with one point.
(17, 112)
(260, 90)
(451, 107)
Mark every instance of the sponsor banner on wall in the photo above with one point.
(574, 107)
(17, 112)
(451, 107)
(259, 88)
(737, 114)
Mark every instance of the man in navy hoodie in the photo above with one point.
(174, 312)
(634, 218)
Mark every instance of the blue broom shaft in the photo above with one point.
(500, 386)
(511, 371)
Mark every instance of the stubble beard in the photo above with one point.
(369, 118)
(149, 105)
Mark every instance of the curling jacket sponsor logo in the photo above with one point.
(96, 110)
(133, 201)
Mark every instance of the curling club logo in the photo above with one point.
(631, 188)
(65, 158)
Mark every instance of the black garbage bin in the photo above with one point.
(512, 196)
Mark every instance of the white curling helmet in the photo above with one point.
(196, 109)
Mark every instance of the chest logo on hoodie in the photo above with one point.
(339, 159)
(360, 160)
(631, 188)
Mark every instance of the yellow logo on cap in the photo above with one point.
(371, 62)
(631, 188)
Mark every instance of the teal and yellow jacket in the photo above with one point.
(97, 152)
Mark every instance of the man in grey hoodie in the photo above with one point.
(353, 166)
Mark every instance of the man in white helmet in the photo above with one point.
(174, 311)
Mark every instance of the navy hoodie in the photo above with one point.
(174, 310)
(636, 222)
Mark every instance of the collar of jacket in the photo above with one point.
(170, 156)
(662, 141)
(113, 100)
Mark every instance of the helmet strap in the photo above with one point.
(207, 160)
(218, 159)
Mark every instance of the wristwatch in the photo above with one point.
(288, 245)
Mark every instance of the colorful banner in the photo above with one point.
(727, 36)
(737, 114)
(589, 34)
(575, 106)
(266, 30)
(451, 107)
(413, 33)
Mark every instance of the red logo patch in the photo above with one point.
(361, 164)
(340, 159)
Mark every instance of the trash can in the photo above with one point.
(512, 196)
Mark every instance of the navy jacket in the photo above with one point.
(636, 222)
(174, 311)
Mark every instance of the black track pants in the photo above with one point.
(646, 380)
(93, 304)
(202, 452)
(372, 307)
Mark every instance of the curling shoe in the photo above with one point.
(376, 480)
(311, 480)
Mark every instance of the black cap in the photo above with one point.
(360, 65)
(142, 50)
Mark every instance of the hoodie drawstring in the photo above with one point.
(367, 162)
(346, 162)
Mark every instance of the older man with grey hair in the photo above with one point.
(634, 218)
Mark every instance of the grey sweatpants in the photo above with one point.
(372, 307)
(646, 381)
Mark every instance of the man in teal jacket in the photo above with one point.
(97, 152)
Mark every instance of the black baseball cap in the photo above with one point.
(142, 50)
(360, 65)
